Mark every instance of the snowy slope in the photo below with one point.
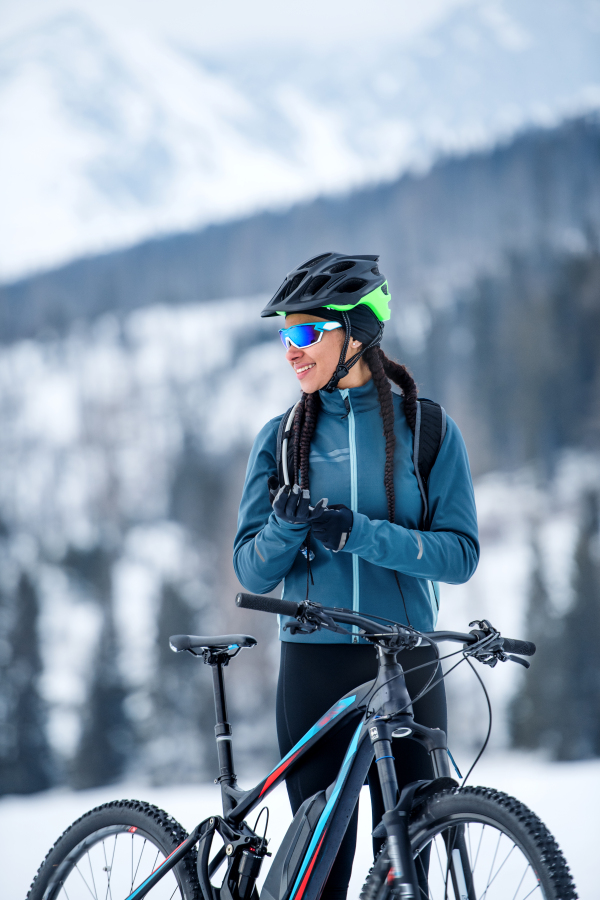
(108, 138)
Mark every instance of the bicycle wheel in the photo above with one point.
(476, 843)
(110, 851)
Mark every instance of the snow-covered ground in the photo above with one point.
(566, 796)
(110, 137)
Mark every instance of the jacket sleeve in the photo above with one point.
(264, 548)
(449, 551)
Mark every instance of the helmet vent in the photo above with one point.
(375, 270)
(313, 262)
(291, 286)
(342, 266)
(315, 284)
(351, 285)
(384, 288)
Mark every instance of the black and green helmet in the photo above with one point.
(335, 281)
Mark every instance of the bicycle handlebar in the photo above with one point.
(290, 608)
(267, 604)
(524, 648)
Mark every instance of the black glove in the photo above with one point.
(292, 505)
(333, 526)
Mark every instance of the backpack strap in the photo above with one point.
(285, 452)
(430, 431)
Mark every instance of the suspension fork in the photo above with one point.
(395, 818)
(391, 687)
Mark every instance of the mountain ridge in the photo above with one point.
(113, 138)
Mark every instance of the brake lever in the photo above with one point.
(311, 618)
(517, 659)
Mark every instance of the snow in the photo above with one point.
(111, 136)
(564, 795)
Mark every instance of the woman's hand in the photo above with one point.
(333, 526)
(292, 505)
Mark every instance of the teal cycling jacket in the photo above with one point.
(346, 465)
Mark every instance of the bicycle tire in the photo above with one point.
(111, 850)
(435, 826)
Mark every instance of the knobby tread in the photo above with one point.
(172, 830)
(551, 856)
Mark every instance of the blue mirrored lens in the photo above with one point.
(306, 334)
(300, 335)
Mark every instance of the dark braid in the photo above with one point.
(383, 369)
(296, 431)
(400, 375)
(386, 406)
(311, 404)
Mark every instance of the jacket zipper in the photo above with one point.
(353, 503)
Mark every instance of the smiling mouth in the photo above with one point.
(305, 368)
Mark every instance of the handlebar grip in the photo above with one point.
(524, 648)
(267, 604)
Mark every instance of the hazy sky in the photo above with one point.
(216, 24)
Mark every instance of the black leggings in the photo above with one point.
(311, 678)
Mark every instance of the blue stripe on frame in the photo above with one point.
(328, 809)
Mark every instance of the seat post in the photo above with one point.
(222, 728)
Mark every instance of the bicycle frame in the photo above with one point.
(378, 708)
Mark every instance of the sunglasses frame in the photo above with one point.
(321, 327)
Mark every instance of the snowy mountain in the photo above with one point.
(108, 138)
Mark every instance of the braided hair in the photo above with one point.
(383, 371)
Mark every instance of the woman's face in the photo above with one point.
(315, 365)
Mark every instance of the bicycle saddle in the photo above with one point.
(181, 642)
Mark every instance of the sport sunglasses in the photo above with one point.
(305, 335)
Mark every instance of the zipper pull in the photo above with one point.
(347, 405)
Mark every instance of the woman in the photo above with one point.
(353, 444)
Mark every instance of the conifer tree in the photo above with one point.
(181, 730)
(26, 763)
(533, 713)
(107, 738)
(578, 709)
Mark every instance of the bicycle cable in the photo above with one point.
(432, 662)
(489, 731)
(428, 687)
(401, 625)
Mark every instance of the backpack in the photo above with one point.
(430, 430)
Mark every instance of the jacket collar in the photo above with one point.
(362, 399)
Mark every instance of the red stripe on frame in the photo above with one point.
(275, 775)
(310, 868)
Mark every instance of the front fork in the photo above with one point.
(398, 809)
(395, 820)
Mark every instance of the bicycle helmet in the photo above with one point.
(335, 281)
(333, 285)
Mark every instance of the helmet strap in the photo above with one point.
(343, 366)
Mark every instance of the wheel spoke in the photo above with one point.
(500, 867)
(536, 888)
(139, 861)
(112, 862)
(92, 874)
(500, 836)
(438, 856)
(425, 876)
(84, 881)
(514, 897)
(478, 849)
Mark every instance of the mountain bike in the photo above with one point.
(442, 840)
